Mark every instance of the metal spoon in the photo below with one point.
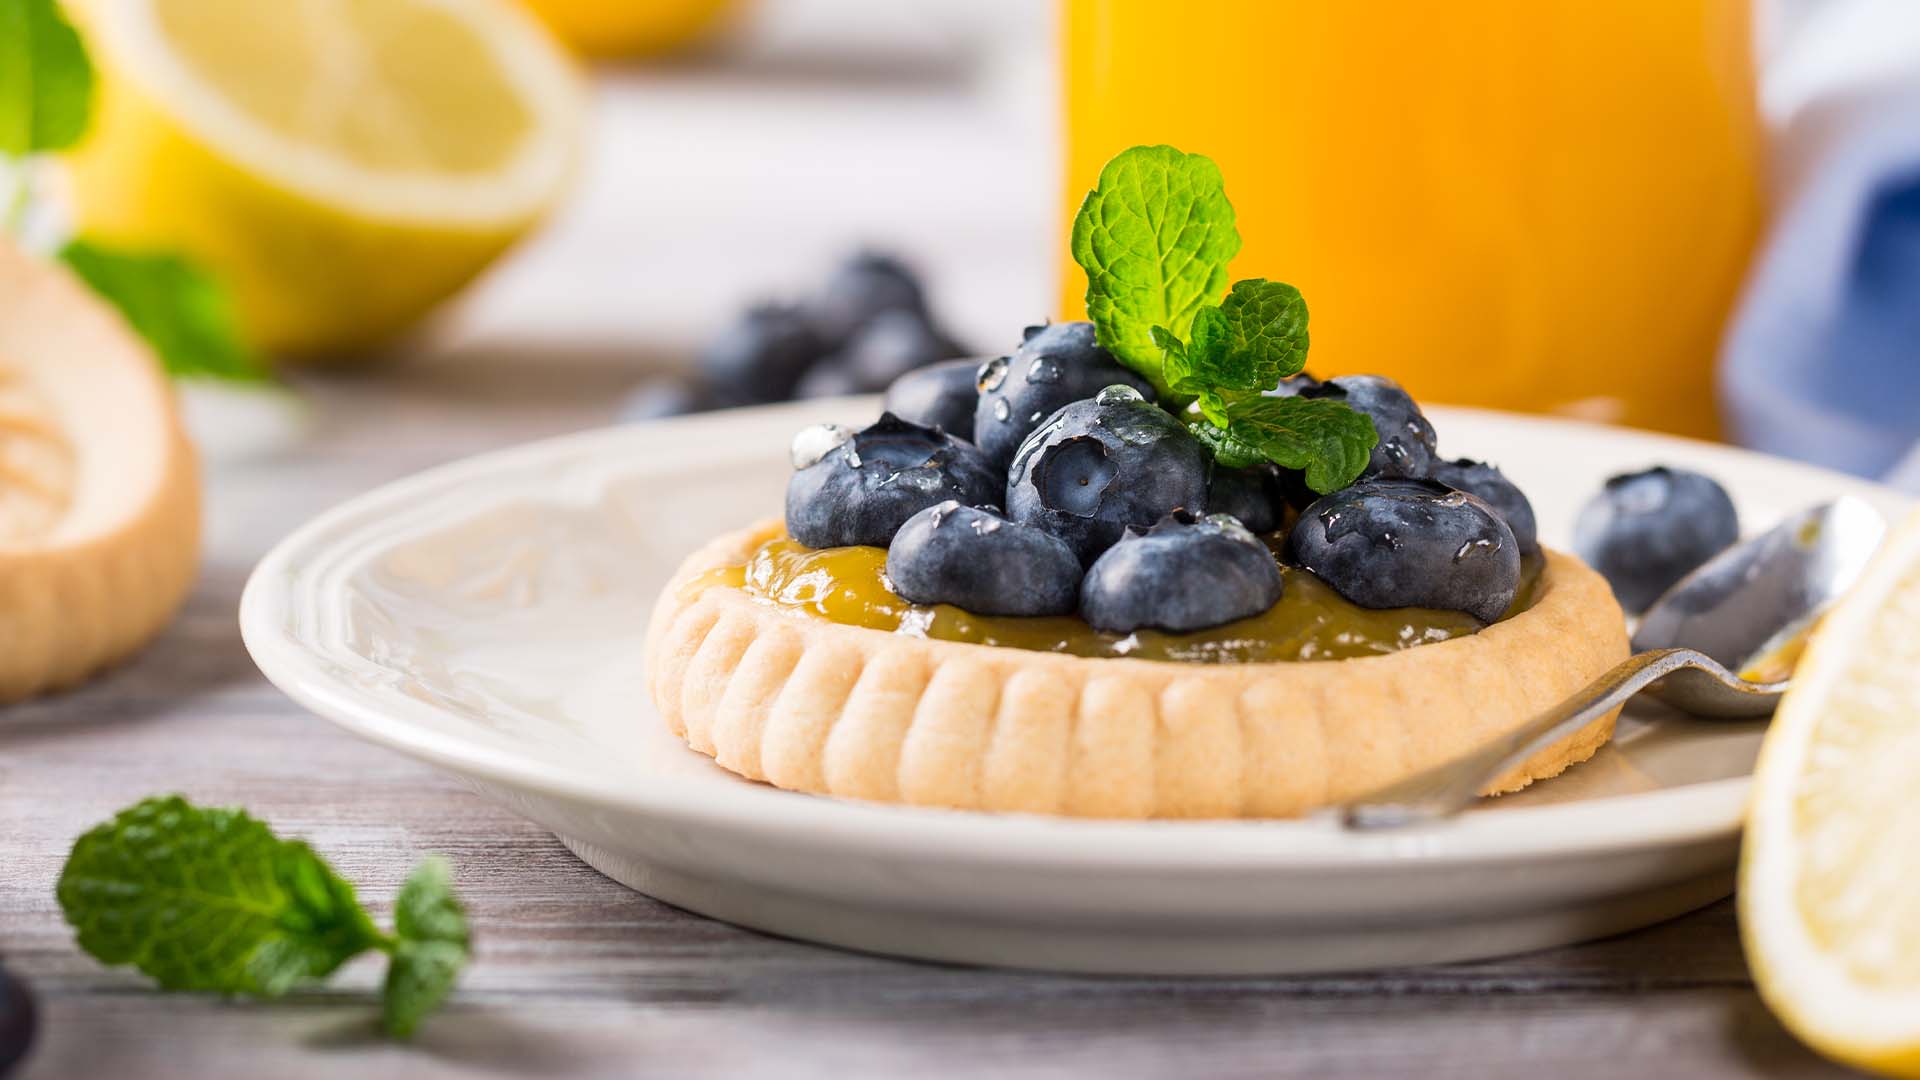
(1745, 604)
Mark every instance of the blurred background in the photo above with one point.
(1698, 216)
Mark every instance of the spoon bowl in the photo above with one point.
(1756, 600)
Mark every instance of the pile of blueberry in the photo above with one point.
(1049, 481)
(869, 325)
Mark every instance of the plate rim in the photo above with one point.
(1686, 814)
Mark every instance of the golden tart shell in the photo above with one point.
(811, 705)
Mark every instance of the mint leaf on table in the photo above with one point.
(46, 80)
(175, 305)
(1327, 439)
(211, 900)
(1155, 237)
(433, 943)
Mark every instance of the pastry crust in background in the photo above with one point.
(811, 705)
(99, 491)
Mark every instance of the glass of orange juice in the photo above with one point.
(1543, 205)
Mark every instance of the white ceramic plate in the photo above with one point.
(487, 617)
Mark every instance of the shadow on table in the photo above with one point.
(197, 659)
(486, 1039)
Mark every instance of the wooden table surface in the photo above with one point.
(578, 976)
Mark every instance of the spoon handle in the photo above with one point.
(1447, 789)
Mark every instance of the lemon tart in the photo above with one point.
(781, 694)
(1142, 566)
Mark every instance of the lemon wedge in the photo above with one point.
(343, 165)
(1830, 871)
(99, 493)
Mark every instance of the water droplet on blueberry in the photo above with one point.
(1043, 370)
(1474, 548)
(811, 444)
(1230, 525)
(1002, 411)
(1118, 394)
(992, 374)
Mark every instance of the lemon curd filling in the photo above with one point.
(848, 585)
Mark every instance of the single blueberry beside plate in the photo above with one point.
(1645, 531)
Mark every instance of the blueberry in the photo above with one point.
(979, 561)
(1055, 365)
(18, 1020)
(1407, 443)
(1646, 530)
(760, 356)
(1097, 466)
(1494, 489)
(891, 344)
(666, 396)
(1255, 496)
(859, 487)
(1182, 574)
(1411, 543)
(828, 378)
(860, 288)
(939, 395)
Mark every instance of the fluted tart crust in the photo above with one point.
(811, 705)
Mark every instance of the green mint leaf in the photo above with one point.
(1155, 236)
(433, 946)
(426, 909)
(1326, 438)
(1228, 451)
(1167, 341)
(46, 81)
(209, 899)
(1255, 338)
(418, 980)
(180, 309)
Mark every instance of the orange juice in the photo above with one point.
(1542, 205)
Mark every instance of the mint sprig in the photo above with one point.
(209, 899)
(1155, 237)
(1327, 440)
(46, 80)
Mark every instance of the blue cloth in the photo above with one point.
(1822, 360)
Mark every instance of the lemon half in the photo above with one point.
(343, 165)
(1830, 871)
